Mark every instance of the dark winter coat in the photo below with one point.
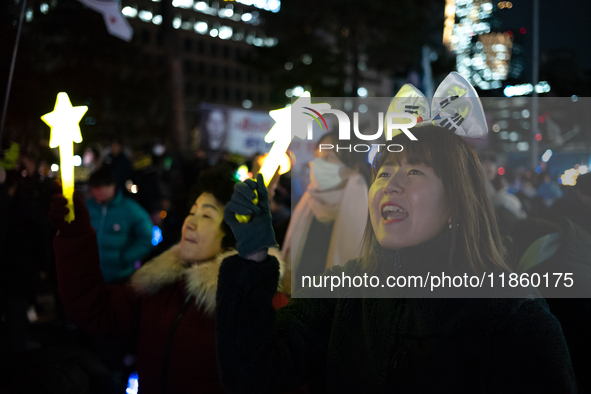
(362, 345)
(557, 245)
(572, 207)
(169, 307)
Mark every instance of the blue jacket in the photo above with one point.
(124, 234)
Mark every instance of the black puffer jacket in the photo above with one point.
(555, 244)
(357, 345)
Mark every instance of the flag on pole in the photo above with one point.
(116, 23)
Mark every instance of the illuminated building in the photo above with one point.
(484, 55)
(216, 36)
(218, 41)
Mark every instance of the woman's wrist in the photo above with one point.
(259, 256)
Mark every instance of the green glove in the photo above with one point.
(257, 234)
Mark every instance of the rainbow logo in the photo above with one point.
(316, 119)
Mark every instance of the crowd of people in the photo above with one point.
(208, 309)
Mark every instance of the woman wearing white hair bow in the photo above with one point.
(428, 213)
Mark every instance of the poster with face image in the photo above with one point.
(233, 130)
(214, 131)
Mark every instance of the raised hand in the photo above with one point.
(58, 210)
(257, 234)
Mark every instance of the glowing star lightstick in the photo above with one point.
(281, 136)
(63, 121)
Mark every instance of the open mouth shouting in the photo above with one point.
(392, 213)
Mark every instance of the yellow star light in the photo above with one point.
(63, 121)
(65, 130)
(281, 136)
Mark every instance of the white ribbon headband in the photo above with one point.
(455, 106)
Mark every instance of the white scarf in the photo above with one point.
(348, 208)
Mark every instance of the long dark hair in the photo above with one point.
(475, 234)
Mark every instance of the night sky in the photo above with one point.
(563, 24)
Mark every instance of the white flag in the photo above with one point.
(116, 23)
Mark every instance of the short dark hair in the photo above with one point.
(102, 177)
(218, 181)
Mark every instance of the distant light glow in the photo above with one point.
(225, 32)
(574, 98)
(288, 66)
(247, 104)
(543, 87)
(201, 6)
(44, 8)
(583, 169)
(363, 108)
(129, 12)
(541, 119)
(182, 3)
(156, 235)
(538, 169)
(514, 136)
(496, 128)
(214, 32)
(242, 173)
(289, 93)
(547, 155)
(163, 214)
(157, 19)
(134, 189)
(246, 17)
(298, 91)
(76, 161)
(362, 92)
(176, 23)
(268, 5)
(569, 178)
(501, 171)
(201, 27)
(145, 16)
(55, 168)
(307, 59)
(538, 137)
(132, 384)
(526, 88)
(271, 42)
(525, 113)
(522, 30)
(450, 16)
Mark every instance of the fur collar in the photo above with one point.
(201, 279)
